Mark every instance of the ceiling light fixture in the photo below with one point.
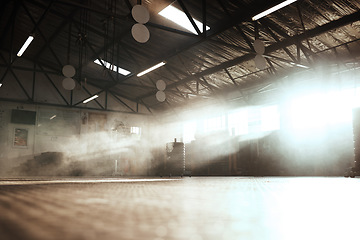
(90, 98)
(299, 65)
(273, 9)
(0, 84)
(151, 69)
(112, 67)
(25, 46)
(179, 17)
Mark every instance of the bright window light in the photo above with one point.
(323, 109)
(273, 9)
(135, 130)
(238, 123)
(113, 67)
(214, 124)
(254, 120)
(340, 104)
(25, 46)
(179, 17)
(356, 95)
(189, 130)
(270, 119)
(309, 112)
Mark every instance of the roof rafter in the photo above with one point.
(274, 47)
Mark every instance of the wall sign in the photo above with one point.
(21, 137)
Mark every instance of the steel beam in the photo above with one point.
(30, 69)
(232, 79)
(121, 101)
(10, 23)
(274, 47)
(57, 90)
(182, 5)
(67, 106)
(36, 26)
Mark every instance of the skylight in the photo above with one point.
(113, 67)
(179, 17)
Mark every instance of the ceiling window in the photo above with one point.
(113, 67)
(179, 17)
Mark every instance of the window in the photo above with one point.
(189, 130)
(325, 108)
(214, 124)
(238, 123)
(135, 130)
(179, 17)
(113, 67)
(270, 119)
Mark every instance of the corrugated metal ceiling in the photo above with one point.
(198, 67)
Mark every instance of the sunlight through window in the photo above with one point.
(179, 17)
(135, 130)
(324, 109)
(189, 130)
(270, 119)
(238, 123)
(214, 124)
(113, 67)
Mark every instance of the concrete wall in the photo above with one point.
(87, 136)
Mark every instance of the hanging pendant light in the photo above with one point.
(140, 14)
(139, 31)
(259, 46)
(260, 62)
(161, 85)
(68, 71)
(160, 96)
(68, 83)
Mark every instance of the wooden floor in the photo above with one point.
(180, 208)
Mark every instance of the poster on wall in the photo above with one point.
(20, 137)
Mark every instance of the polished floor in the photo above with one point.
(197, 208)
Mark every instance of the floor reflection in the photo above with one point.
(180, 208)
